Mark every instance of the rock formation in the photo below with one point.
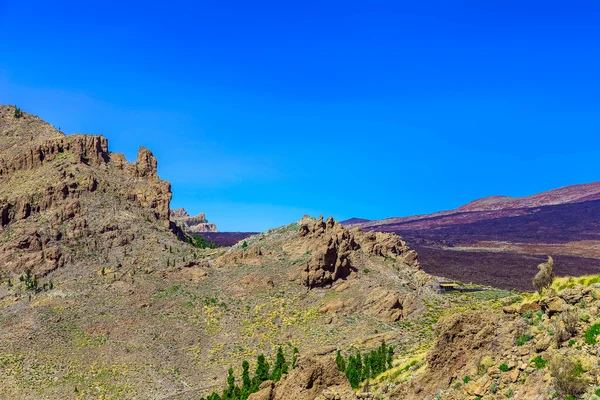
(189, 224)
(314, 378)
(48, 181)
(332, 244)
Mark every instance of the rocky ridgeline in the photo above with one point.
(331, 246)
(192, 224)
(323, 254)
(49, 182)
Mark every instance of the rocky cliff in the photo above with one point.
(55, 188)
(192, 224)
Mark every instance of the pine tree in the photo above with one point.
(359, 365)
(339, 360)
(262, 370)
(280, 366)
(294, 358)
(353, 376)
(230, 385)
(390, 355)
(246, 381)
(366, 370)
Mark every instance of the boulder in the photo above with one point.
(572, 295)
(553, 305)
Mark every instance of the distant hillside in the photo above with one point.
(354, 221)
(505, 237)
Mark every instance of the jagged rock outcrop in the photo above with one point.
(388, 245)
(332, 246)
(462, 340)
(330, 255)
(314, 378)
(48, 181)
(192, 224)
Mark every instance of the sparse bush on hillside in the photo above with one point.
(521, 340)
(568, 375)
(570, 319)
(31, 283)
(591, 333)
(244, 244)
(18, 113)
(560, 334)
(539, 362)
(543, 279)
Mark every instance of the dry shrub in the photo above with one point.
(570, 319)
(568, 375)
(543, 279)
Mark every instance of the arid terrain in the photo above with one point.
(105, 294)
(499, 240)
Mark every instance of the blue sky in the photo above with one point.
(260, 112)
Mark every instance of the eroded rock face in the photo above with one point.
(313, 378)
(391, 306)
(45, 177)
(192, 224)
(330, 255)
(463, 339)
(388, 245)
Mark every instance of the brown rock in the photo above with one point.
(313, 378)
(572, 295)
(553, 305)
(532, 306)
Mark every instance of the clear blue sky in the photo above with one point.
(260, 112)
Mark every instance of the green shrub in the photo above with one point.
(18, 113)
(467, 379)
(503, 367)
(521, 340)
(584, 318)
(591, 333)
(539, 362)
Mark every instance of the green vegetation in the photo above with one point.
(201, 243)
(467, 379)
(521, 340)
(249, 385)
(18, 113)
(31, 283)
(244, 244)
(503, 368)
(362, 367)
(539, 362)
(591, 333)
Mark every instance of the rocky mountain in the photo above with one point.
(102, 296)
(192, 225)
(56, 190)
(499, 240)
(113, 304)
